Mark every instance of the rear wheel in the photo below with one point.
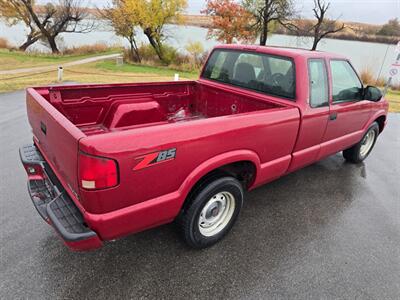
(361, 150)
(212, 212)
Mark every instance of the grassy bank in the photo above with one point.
(394, 101)
(98, 72)
(10, 60)
(145, 70)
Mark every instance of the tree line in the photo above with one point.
(246, 20)
(232, 20)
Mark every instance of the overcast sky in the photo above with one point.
(367, 11)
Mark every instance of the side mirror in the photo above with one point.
(372, 93)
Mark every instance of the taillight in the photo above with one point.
(97, 172)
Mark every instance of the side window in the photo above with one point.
(318, 83)
(346, 85)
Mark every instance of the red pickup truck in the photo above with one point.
(111, 160)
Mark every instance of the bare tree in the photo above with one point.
(66, 16)
(13, 12)
(268, 12)
(323, 25)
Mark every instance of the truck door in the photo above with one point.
(315, 116)
(348, 111)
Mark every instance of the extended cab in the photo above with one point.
(114, 159)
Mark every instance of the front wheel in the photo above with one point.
(361, 150)
(212, 212)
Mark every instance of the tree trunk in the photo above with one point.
(316, 40)
(53, 44)
(29, 41)
(315, 44)
(264, 31)
(264, 35)
(157, 48)
(135, 55)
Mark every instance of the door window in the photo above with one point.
(318, 83)
(346, 86)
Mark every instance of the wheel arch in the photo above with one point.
(380, 118)
(244, 165)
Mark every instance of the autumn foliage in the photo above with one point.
(230, 22)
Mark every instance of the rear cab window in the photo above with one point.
(318, 82)
(269, 74)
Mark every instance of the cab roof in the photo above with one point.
(283, 51)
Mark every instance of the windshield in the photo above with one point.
(274, 75)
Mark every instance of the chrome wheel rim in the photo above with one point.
(216, 214)
(367, 142)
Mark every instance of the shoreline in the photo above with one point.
(203, 21)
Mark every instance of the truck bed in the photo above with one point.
(98, 109)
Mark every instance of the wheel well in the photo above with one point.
(243, 171)
(381, 122)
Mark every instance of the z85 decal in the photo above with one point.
(155, 158)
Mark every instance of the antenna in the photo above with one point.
(383, 62)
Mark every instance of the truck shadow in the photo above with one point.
(280, 223)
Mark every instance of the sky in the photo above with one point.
(365, 11)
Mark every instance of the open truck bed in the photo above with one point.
(109, 108)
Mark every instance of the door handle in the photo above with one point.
(333, 116)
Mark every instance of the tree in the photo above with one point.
(51, 20)
(14, 12)
(392, 28)
(153, 15)
(323, 26)
(230, 21)
(267, 12)
(124, 22)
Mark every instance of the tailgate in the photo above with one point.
(56, 137)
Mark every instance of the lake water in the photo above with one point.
(363, 54)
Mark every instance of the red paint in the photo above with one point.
(210, 124)
(145, 161)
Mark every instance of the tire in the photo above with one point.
(362, 149)
(211, 212)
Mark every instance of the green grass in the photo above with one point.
(10, 60)
(96, 72)
(394, 101)
(144, 69)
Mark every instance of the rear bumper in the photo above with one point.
(53, 203)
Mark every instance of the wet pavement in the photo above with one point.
(331, 230)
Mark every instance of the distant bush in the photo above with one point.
(175, 59)
(88, 49)
(391, 28)
(368, 78)
(4, 44)
(147, 53)
(196, 50)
